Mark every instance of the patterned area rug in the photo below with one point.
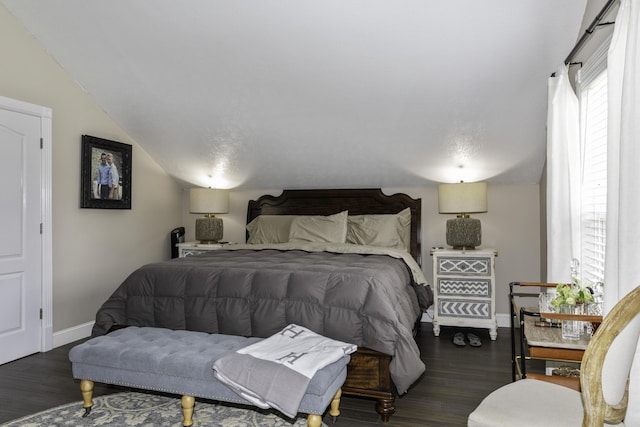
(148, 410)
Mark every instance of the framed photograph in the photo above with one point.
(105, 174)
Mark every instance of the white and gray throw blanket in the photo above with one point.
(276, 371)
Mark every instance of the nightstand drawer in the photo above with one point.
(464, 309)
(476, 266)
(186, 249)
(188, 252)
(463, 287)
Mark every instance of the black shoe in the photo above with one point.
(458, 339)
(474, 340)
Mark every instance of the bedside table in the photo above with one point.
(464, 289)
(194, 248)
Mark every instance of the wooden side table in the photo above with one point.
(543, 343)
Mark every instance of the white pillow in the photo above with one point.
(386, 230)
(317, 228)
(269, 229)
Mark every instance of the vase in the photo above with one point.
(571, 329)
(592, 309)
(545, 306)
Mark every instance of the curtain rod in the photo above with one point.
(589, 31)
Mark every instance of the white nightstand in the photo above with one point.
(464, 289)
(193, 248)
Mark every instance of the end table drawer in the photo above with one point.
(189, 252)
(464, 309)
(464, 287)
(186, 249)
(477, 266)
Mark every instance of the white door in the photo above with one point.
(21, 246)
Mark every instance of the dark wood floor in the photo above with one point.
(456, 380)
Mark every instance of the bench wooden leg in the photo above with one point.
(334, 410)
(188, 402)
(316, 420)
(86, 387)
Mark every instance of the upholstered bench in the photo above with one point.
(180, 362)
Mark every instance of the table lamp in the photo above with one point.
(462, 199)
(208, 201)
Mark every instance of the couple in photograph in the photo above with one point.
(108, 178)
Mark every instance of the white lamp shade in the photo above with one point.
(462, 198)
(208, 200)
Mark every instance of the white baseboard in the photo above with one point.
(79, 332)
(504, 320)
(72, 334)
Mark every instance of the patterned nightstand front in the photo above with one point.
(195, 248)
(477, 266)
(462, 308)
(464, 289)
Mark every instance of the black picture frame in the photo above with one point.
(118, 196)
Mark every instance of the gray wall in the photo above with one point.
(93, 249)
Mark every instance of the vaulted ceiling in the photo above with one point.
(319, 93)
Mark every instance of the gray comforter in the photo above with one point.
(366, 300)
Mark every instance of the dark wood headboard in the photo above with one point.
(328, 202)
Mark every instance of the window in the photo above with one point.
(592, 92)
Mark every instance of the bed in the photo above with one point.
(360, 292)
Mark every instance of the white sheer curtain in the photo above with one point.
(563, 177)
(622, 266)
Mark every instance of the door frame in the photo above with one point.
(45, 115)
